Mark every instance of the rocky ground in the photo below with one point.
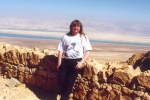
(23, 92)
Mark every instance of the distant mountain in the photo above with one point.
(90, 26)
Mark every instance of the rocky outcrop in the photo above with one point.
(97, 80)
(140, 60)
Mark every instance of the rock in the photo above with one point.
(97, 80)
(127, 91)
(121, 77)
(94, 95)
(142, 60)
(13, 82)
(140, 88)
(138, 93)
(146, 96)
(102, 76)
(143, 79)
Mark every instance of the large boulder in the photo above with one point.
(144, 79)
(140, 60)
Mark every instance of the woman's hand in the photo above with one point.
(79, 65)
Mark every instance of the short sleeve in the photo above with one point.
(86, 43)
(60, 45)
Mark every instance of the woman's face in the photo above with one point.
(75, 29)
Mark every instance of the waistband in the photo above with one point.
(72, 59)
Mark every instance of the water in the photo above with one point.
(121, 42)
(29, 36)
(58, 38)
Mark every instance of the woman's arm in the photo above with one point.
(85, 56)
(59, 59)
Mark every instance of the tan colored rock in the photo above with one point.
(97, 80)
(13, 56)
(21, 76)
(95, 84)
(146, 96)
(95, 71)
(126, 98)
(93, 95)
(94, 78)
(142, 60)
(33, 59)
(2, 55)
(121, 77)
(99, 66)
(141, 88)
(79, 94)
(109, 88)
(137, 98)
(134, 59)
(138, 93)
(21, 68)
(143, 79)
(103, 94)
(87, 71)
(102, 76)
(108, 72)
(6, 46)
(127, 91)
(116, 86)
(117, 65)
(32, 70)
(23, 59)
(112, 95)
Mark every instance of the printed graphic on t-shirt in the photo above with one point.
(72, 49)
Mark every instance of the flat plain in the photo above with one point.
(101, 51)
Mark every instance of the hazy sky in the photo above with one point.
(108, 10)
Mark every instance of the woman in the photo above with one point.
(74, 48)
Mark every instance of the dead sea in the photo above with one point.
(101, 51)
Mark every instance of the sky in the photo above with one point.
(130, 17)
(108, 10)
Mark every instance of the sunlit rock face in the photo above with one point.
(140, 60)
(97, 80)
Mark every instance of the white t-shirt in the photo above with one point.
(74, 46)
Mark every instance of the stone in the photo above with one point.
(142, 60)
(102, 76)
(97, 80)
(143, 79)
(146, 96)
(127, 91)
(138, 93)
(12, 83)
(140, 88)
(121, 77)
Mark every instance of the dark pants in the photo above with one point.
(66, 77)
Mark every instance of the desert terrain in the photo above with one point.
(101, 51)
